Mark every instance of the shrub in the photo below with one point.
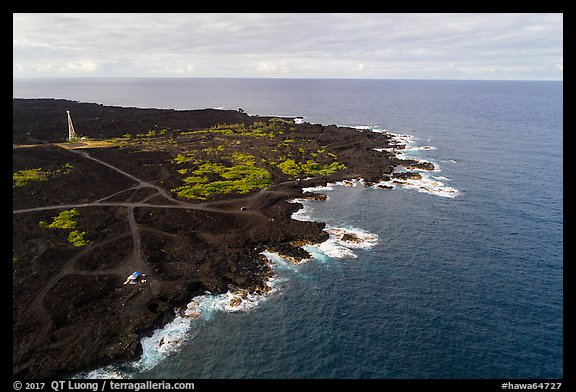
(24, 177)
(76, 238)
(289, 167)
(239, 179)
(65, 220)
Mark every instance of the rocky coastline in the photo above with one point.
(191, 198)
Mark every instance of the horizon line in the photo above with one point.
(15, 78)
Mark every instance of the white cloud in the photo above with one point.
(68, 68)
(272, 68)
(78, 66)
(177, 70)
(297, 45)
(26, 43)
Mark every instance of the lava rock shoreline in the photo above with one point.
(71, 312)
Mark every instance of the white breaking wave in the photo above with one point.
(329, 249)
(330, 187)
(363, 127)
(163, 342)
(419, 148)
(402, 138)
(353, 183)
(313, 189)
(304, 214)
(426, 184)
(279, 262)
(353, 237)
(341, 242)
(431, 185)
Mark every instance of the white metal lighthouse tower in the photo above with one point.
(71, 134)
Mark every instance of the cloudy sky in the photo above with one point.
(401, 46)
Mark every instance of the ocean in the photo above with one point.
(459, 276)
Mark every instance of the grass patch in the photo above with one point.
(76, 238)
(310, 168)
(239, 179)
(24, 177)
(290, 168)
(67, 220)
(258, 129)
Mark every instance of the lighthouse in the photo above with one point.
(71, 134)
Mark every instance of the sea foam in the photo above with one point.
(427, 183)
(341, 242)
(304, 214)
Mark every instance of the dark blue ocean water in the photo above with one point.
(463, 287)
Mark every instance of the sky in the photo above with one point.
(473, 46)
